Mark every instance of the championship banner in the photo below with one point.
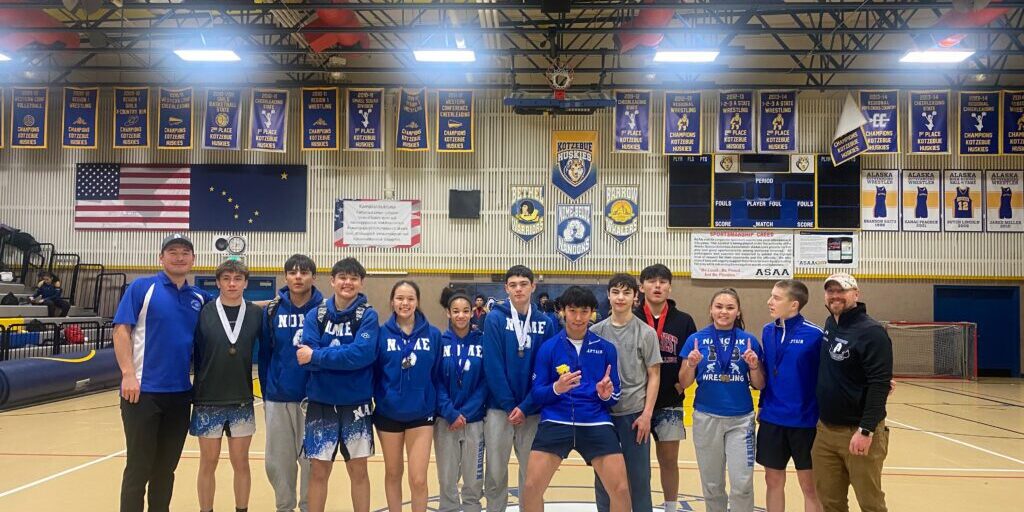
(174, 114)
(268, 120)
(1013, 123)
(575, 232)
(364, 128)
(681, 123)
(776, 121)
(621, 211)
(131, 117)
(979, 123)
(527, 211)
(574, 171)
(81, 107)
(736, 122)
(731, 255)
(29, 106)
(849, 139)
(319, 118)
(1004, 201)
(881, 108)
(921, 200)
(879, 200)
(221, 128)
(929, 121)
(454, 121)
(412, 133)
(377, 223)
(632, 122)
(962, 200)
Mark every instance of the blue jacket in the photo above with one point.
(508, 375)
(461, 359)
(341, 371)
(792, 348)
(580, 406)
(407, 394)
(47, 292)
(281, 377)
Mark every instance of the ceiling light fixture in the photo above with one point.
(936, 56)
(207, 55)
(444, 55)
(685, 56)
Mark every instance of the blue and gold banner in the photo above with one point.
(849, 140)
(411, 134)
(29, 106)
(364, 126)
(319, 118)
(221, 128)
(174, 118)
(681, 124)
(736, 122)
(131, 117)
(979, 123)
(575, 230)
(574, 171)
(929, 122)
(1013, 123)
(268, 122)
(527, 211)
(632, 122)
(881, 109)
(79, 118)
(777, 122)
(621, 211)
(454, 121)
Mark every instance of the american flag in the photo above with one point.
(137, 197)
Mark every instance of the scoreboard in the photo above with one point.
(764, 200)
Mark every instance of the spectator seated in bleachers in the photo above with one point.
(48, 292)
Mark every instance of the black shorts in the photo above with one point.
(397, 427)
(777, 444)
(590, 441)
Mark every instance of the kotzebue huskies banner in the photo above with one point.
(777, 122)
(268, 121)
(221, 128)
(527, 211)
(131, 117)
(364, 128)
(413, 132)
(174, 118)
(319, 118)
(929, 121)
(979, 123)
(574, 171)
(1013, 123)
(574, 238)
(881, 109)
(79, 124)
(454, 121)
(736, 122)
(621, 211)
(632, 122)
(29, 106)
(682, 123)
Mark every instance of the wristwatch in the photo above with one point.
(865, 432)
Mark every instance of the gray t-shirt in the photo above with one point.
(637, 345)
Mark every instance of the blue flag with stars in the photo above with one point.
(248, 198)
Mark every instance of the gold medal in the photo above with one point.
(521, 353)
(232, 351)
(725, 378)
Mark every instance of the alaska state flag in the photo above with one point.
(248, 198)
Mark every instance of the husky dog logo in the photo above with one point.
(803, 163)
(574, 161)
(929, 119)
(735, 122)
(726, 163)
(778, 122)
(684, 123)
(574, 171)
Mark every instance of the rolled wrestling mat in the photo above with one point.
(35, 379)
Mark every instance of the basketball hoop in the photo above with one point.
(559, 78)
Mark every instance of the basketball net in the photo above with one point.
(559, 78)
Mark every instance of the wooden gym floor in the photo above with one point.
(954, 446)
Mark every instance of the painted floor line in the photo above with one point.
(956, 441)
(60, 474)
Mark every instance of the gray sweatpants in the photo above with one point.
(500, 437)
(721, 442)
(285, 428)
(460, 454)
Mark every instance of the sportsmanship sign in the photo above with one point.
(632, 121)
(736, 122)
(363, 126)
(682, 123)
(881, 109)
(131, 117)
(454, 121)
(319, 118)
(412, 121)
(174, 125)
(268, 121)
(79, 125)
(979, 123)
(220, 126)
(777, 126)
(929, 121)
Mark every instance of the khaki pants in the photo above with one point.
(835, 469)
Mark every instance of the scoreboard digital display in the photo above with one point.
(763, 200)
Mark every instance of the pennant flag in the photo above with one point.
(174, 118)
(221, 122)
(131, 197)
(1013, 123)
(131, 117)
(777, 122)
(736, 122)
(849, 140)
(621, 211)
(412, 121)
(364, 121)
(575, 231)
(632, 122)
(979, 123)
(248, 198)
(454, 121)
(29, 106)
(881, 108)
(268, 120)
(681, 123)
(319, 118)
(929, 122)
(574, 171)
(79, 118)
(527, 211)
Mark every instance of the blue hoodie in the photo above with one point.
(580, 406)
(341, 371)
(791, 357)
(461, 358)
(407, 394)
(508, 375)
(281, 377)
